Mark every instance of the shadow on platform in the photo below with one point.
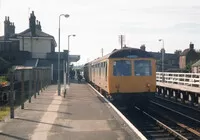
(12, 136)
(52, 104)
(58, 125)
(48, 111)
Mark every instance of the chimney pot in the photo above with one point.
(191, 46)
(32, 24)
(143, 47)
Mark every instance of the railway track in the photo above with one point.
(158, 122)
(156, 126)
(183, 120)
(158, 97)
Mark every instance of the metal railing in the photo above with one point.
(186, 79)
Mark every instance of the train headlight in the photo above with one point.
(148, 85)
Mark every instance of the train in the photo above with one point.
(126, 75)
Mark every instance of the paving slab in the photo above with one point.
(79, 116)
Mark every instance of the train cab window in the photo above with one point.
(122, 68)
(142, 68)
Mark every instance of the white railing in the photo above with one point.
(187, 79)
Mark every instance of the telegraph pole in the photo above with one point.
(121, 40)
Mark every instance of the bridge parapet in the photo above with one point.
(186, 79)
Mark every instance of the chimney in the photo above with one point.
(191, 46)
(143, 47)
(38, 26)
(32, 25)
(11, 28)
(6, 28)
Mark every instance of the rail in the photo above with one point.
(186, 79)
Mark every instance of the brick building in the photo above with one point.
(171, 61)
(188, 57)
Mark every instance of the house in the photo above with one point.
(195, 68)
(171, 61)
(32, 40)
(32, 47)
(9, 45)
(36, 41)
(188, 57)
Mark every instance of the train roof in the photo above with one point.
(125, 52)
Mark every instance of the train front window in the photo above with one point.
(142, 68)
(122, 68)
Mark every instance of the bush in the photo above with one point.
(3, 81)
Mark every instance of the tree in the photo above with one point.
(188, 67)
(178, 52)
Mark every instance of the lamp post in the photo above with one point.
(162, 53)
(65, 15)
(68, 62)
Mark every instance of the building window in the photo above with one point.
(122, 68)
(142, 67)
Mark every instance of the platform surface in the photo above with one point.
(82, 115)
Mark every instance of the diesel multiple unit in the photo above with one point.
(126, 74)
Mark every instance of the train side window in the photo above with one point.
(142, 68)
(93, 70)
(106, 71)
(122, 68)
(100, 69)
(96, 68)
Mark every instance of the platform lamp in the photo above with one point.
(66, 16)
(68, 62)
(162, 54)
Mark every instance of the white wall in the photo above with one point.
(40, 46)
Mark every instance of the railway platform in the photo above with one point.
(81, 115)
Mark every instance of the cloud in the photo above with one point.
(188, 27)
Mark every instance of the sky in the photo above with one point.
(98, 23)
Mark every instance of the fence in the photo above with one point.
(21, 84)
(187, 79)
(4, 103)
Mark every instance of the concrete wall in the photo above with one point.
(39, 48)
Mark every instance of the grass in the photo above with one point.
(4, 111)
(3, 80)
